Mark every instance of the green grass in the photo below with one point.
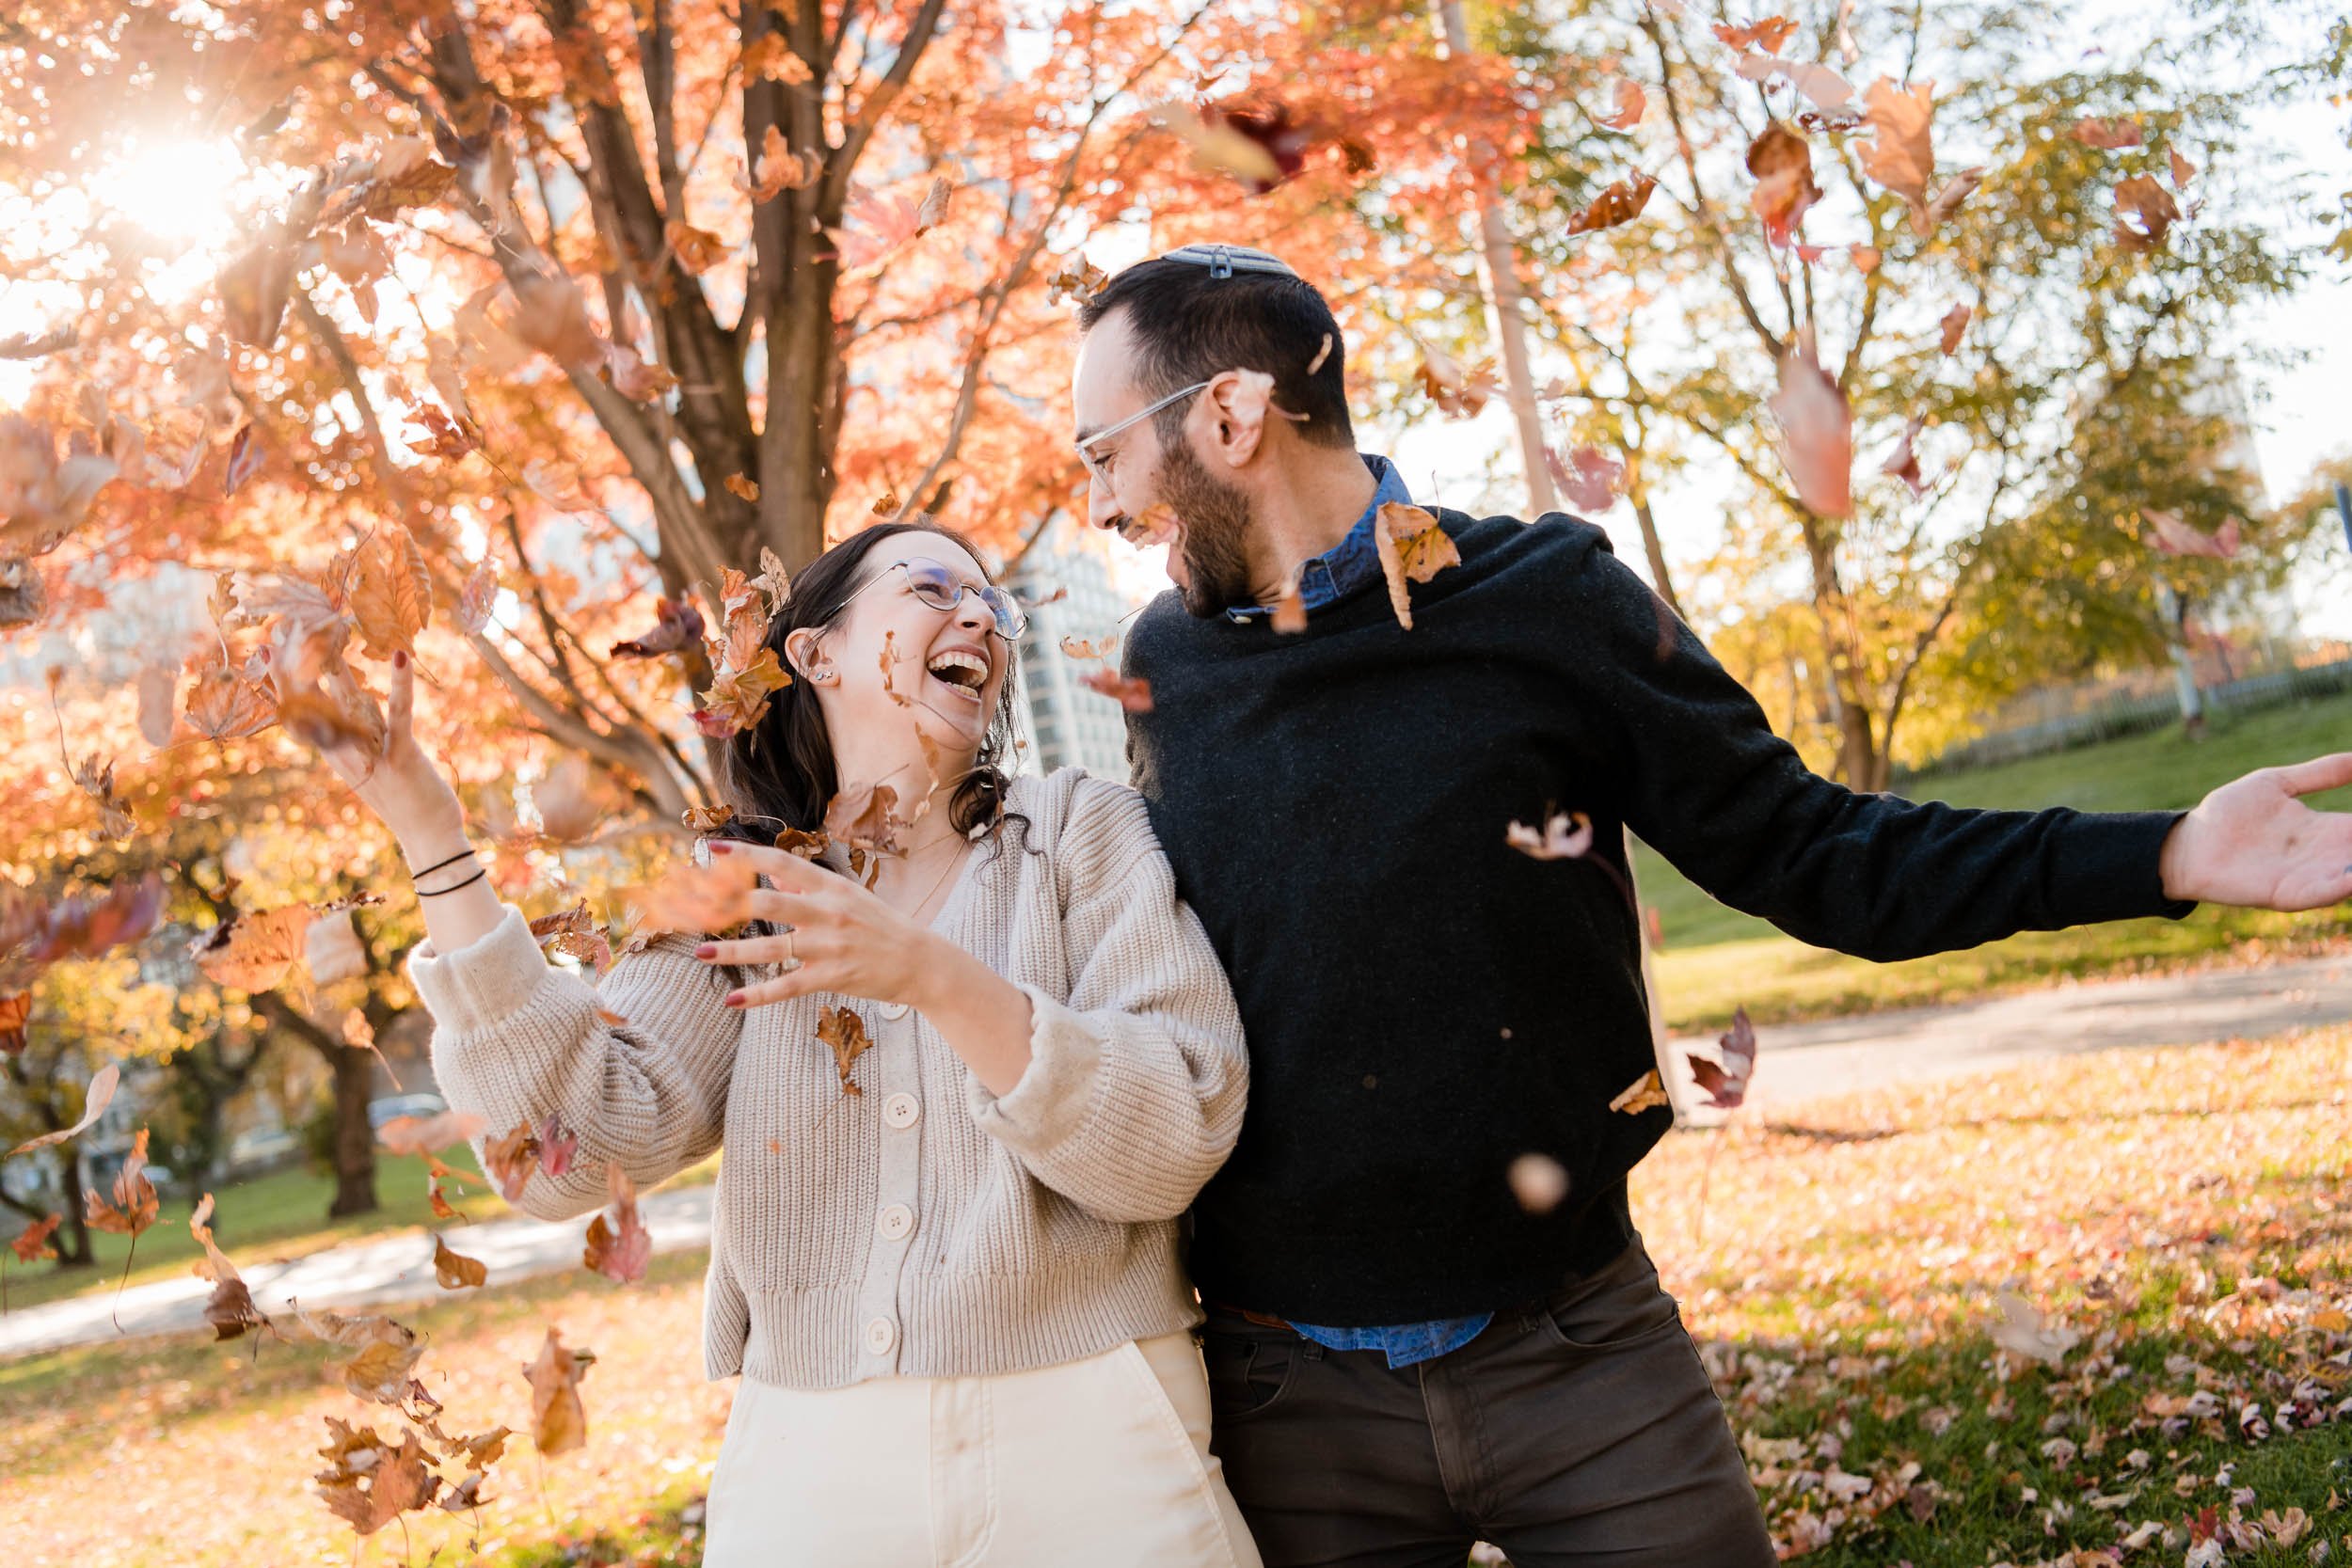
(1717, 959)
(271, 1218)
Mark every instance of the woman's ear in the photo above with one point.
(808, 662)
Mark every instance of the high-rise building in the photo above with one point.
(1069, 725)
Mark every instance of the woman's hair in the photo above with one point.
(781, 772)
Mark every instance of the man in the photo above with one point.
(1404, 1358)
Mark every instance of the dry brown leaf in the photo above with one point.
(425, 1134)
(1413, 547)
(865, 818)
(2108, 135)
(1782, 162)
(1955, 323)
(619, 1248)
(367, 1483)
(454, 1271)
(1626, 102)
(559, 1422)
(1902, 157)
(508, 1161)
(738, 699)
(841, 1031)
(2144, 213)
(740, 487)
(1767, 35)
(253, 952)
(1818, 83)
(699, 899)
(1725, 1082)
(1132, 694)
(1458, 392)
(1903, 462)
(1090, 647)
(1643, 1094)
(1618, 203)
(95, 1100)
(393, 599)
(1817, 433)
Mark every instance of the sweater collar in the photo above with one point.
(1351, 563)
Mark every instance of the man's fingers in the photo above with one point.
(2333, 771)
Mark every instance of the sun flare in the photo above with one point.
(181, 189)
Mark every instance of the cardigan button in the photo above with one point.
(894, 1222)
(901, 1109)
(881, 1335)
(892, 1010)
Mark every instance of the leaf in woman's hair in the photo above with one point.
(843, 1032)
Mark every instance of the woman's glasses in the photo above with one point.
(941, 589)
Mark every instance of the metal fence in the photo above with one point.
(2136, 715)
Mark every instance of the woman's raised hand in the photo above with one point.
(843, 939)
(401, 786)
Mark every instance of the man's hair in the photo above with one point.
(1191, 324)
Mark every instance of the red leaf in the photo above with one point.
(1133, 694)
(1816, 434)
(1726, 1083)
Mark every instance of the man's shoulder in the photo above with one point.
(1557, 541)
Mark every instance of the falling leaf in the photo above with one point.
(741, 488)
(41, 498)
(1767, 35)
(332, 951)
(254, 286)
(558, 1421)
(1090, 647)
(95, 1100)
(454, 1271)
(1817, 433)
(1947, 200)
(574, 799)
(1955, 323)
(1782, 162)
(1077, 279)
(114, 810)
(23, 593)
(134, 1204)
(696, 250)
(245, 459)
(2144, 213)
(367, 1483)
(1588, 477)
(2171, 536)
(771, 58)
(1903, 462)
(479, 597)
(1628, 101)
(158, 688)
(253, 952)
(1260, 148)
(843, 1032)
(738, 699)
(230, 1309)
(619, 1248)
(677, 625)
(1726, 1083)
(424, 1134)
(1618, 203)
(552, 315)
(16, 1010)
(779, 169)
(1566, 835)
(508, 1161)
(1413, 547)
(1865, 258)
(1539, 1183)
(1902, 158)
(559, 1146)
(393, 599)
(1645, 1092)
(875, 227)
(1458, 393)
(2024, 1331)
(2183, 170)
(2108, 135)
(1130, 692)
(32, 1243)
(865, 816)
(1290, 608)
(1818, 83)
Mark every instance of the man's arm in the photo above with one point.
(1707, 783)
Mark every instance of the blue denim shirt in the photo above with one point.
(1350, 564)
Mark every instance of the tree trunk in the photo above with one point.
(1656, 550)
(77, 1253)
(355, 1140)
(1858, 760)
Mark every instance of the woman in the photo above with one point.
(948, 1267)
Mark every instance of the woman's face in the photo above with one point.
(897, 656)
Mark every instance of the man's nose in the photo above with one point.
(1102, 506)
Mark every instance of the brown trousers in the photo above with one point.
(1580, 1429)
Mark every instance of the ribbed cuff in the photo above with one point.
(486, 983)
(1046, 1108)
(2110, 868)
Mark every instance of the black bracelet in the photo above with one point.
(435, 866)
(435, 892)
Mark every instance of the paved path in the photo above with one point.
(1797, 1062)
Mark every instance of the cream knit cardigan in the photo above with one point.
(921, 1227)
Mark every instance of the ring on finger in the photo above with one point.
(791, 959)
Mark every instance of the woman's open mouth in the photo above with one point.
(961, 670)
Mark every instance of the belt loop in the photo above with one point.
(1314, 1349)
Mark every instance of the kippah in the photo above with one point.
(1223, 260)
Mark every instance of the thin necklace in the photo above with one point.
(953, 861)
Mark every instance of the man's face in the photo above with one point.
(1132, 471)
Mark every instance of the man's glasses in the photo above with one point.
(941, 589)
(1086, 447)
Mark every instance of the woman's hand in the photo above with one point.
(403, 787)
(843, 938)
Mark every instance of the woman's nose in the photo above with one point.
(971, 612)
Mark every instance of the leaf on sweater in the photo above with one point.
(1132, 694)
(1566, 835)
(559, 1422)
(619, 1248)
(1414, 546)
(1645, 1092)
(1539, 1183)
(95, 1100)
(134, 1204)
(1726, 1083)
(843, 1032)
(369, 1483)
(575, 934)
(424, 1134)
(454, 1271)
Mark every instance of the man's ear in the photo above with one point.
(1230, 417)
(807, 661)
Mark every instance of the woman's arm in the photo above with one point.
(638, 1066)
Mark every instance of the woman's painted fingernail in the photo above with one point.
(707, 950)
(399, 659)
(735, 999)
(721, 846)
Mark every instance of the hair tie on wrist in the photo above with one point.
(435, 892)
(452, 861)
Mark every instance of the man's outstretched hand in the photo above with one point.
(2252, 842)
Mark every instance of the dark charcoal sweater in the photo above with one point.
(1424, 1004)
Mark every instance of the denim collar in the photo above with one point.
(1354, 560)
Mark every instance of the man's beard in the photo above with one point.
(1216, 518)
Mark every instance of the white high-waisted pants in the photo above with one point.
(1102, 1461)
